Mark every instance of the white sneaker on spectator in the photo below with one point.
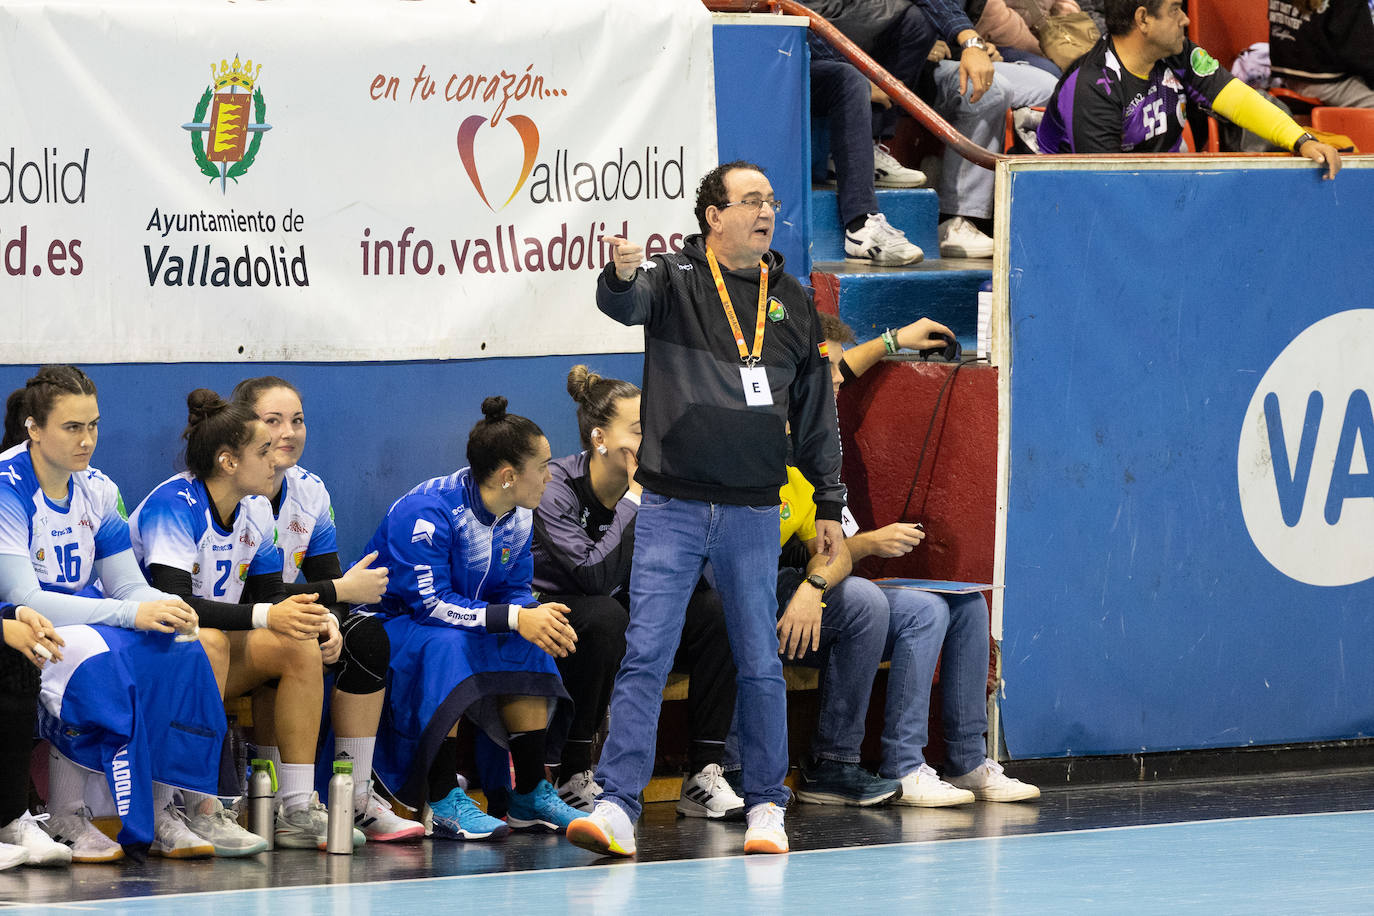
(217, 825)
(11, 855)
(879, 242)
(924, 789)
(765, 833)
(707, 794)
(26, 832)
(173, 839)
(86, 841)
(989, 783)
(960, 238)
(580, 791)
(606, 831)
(889, 173)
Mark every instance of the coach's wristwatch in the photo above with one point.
(817, 582)
(1301, 140)
(976, 42)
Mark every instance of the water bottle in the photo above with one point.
(262, 800)
(340, 836)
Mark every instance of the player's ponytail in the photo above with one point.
(36, 399)
(214, 425)
(597, 399)
(500, 438)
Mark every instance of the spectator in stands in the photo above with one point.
(1009, 31)
(1126, 95)
(30, 640)
(207, 535)
(924, 628)
(468, 638)
(583, 543)
(304, 517)
(62, 531)
(1324, 49)
(711, 462)
(843, 95)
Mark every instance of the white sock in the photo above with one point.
(359, 751)
(273, 753)
(297, 782)
(162, 797)
(66, 785)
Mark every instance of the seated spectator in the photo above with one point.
(468, 637)
(924, 628)
(1010, 31)
(583, 547)
(30, 642)
(123, 680)
(304, 518)
(843, 95)
(1324, 49)
(1126, 95)
(207, 535)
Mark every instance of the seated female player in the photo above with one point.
(583, 545)
(304, 516)
(467, 636)
(128, 699)
(207, 534)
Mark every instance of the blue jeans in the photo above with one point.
(840, 93)
(925, 628)
(674, 539)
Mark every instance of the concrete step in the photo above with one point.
(915, 211)
(943, 289)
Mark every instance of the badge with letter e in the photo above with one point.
(757, 393)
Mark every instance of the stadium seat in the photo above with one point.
(1355, 123)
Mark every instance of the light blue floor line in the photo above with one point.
(1286, 863)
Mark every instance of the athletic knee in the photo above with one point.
(365, 657)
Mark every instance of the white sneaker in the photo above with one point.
(960, 238)
(174, 839)
(10, 856)
(26, 832)
(879, 242)
(922, 788)
(990, 783)
(221, 829)
(380, 824)
(707, 794)
(765, 833)
(308, 827)
(889, 173)
(606, 831)
(86, 841)
(580, 791)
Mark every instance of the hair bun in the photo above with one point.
(580, 382)
(202, 404)
(494, 409)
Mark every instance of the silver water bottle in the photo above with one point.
(262, 800)
(340, 834)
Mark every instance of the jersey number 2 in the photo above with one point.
(223, 567)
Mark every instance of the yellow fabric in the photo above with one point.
(797, 507)
(1245, 107)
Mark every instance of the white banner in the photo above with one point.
(334, 180)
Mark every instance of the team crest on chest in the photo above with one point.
(785, 510)
(195, 569)
(505, 555)
(39, 556)
(243, 572)
(776, 310)
(298, 558)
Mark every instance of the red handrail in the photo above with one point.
(896, 90)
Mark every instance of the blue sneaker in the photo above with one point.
(829, 782)
(540, 810)
(457, 817)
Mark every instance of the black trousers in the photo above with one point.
(589, 673)
(18, 719)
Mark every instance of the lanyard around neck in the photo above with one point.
(749, 358)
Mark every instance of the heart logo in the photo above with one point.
(467, 134)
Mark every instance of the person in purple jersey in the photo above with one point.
(1127, 94)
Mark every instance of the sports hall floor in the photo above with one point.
(1290, 843)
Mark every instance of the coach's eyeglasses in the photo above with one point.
(755, 203)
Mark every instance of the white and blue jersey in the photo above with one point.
(305, 521)
(175, 526)
(62, 542)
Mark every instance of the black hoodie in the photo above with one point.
(701, 441)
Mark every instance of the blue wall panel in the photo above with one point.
(374, 429)
(1146, 308)
(763, 115)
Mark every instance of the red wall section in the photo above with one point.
(883, 421)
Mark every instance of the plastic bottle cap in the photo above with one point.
(343, 766)
(268, 767)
